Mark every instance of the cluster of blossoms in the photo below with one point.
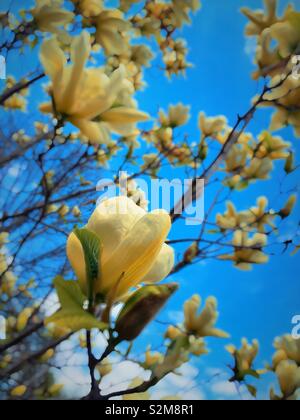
(161, 20)
(18, 101)
(278, 45)
(8, 278)
(92, 101)
(250, 159)
(187, 339)
(162, 136)
(258, 220)
(285, 365)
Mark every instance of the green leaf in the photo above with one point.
(75, 320)
(91, 245)
(69, 293)
(72, 314)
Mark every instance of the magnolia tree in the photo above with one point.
(104, 260)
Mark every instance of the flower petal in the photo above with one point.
(76, 257)
(134, 257)
(112, 221)
(80, 51)
(52, 59)
(95, 132)
(124, 115)
(162, 267)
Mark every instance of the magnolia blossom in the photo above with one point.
(177, 116)
(287, 348)
(288, 374)
(245, 356)
(259, 21)
(248, 250)
(110, 25)
(134, 249)
(87, 97)
(203, 324)
(89, 8)
(211, 126)
(49, 16)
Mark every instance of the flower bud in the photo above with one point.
(287, 210)
(141, 308)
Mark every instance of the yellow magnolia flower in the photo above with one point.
(16, 102)
(173, 332)
(255, 218)
(202, 325)
(259, 20)
(197, 346)
(244, 358)
(19, 391)
(287, 34)
(289, 206)
(287, 349)
(89, 8)
(248, 250)
(278, 42)
(211, 126)
(88, 98)
(49, 16)
(152, 359)
(236, 158)
(126, 4)
(258, 169)
(231, 218)
(272, 147)
(288, 374)
(177, 116)
(8, 279)
(23, 318)
(181, 9)
(134, 249)
(110, 25)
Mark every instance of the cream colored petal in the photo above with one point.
(111, 41)
(124, 130)
(52, 59)
(134, 257)
(190, 312)
(112, 221)
(95, 132)
(124, 115)
(80, 51)
(162, 267)
(76, 258)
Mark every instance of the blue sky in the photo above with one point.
(261, 303)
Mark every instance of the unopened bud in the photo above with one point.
(287, 210)
(141, 308)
